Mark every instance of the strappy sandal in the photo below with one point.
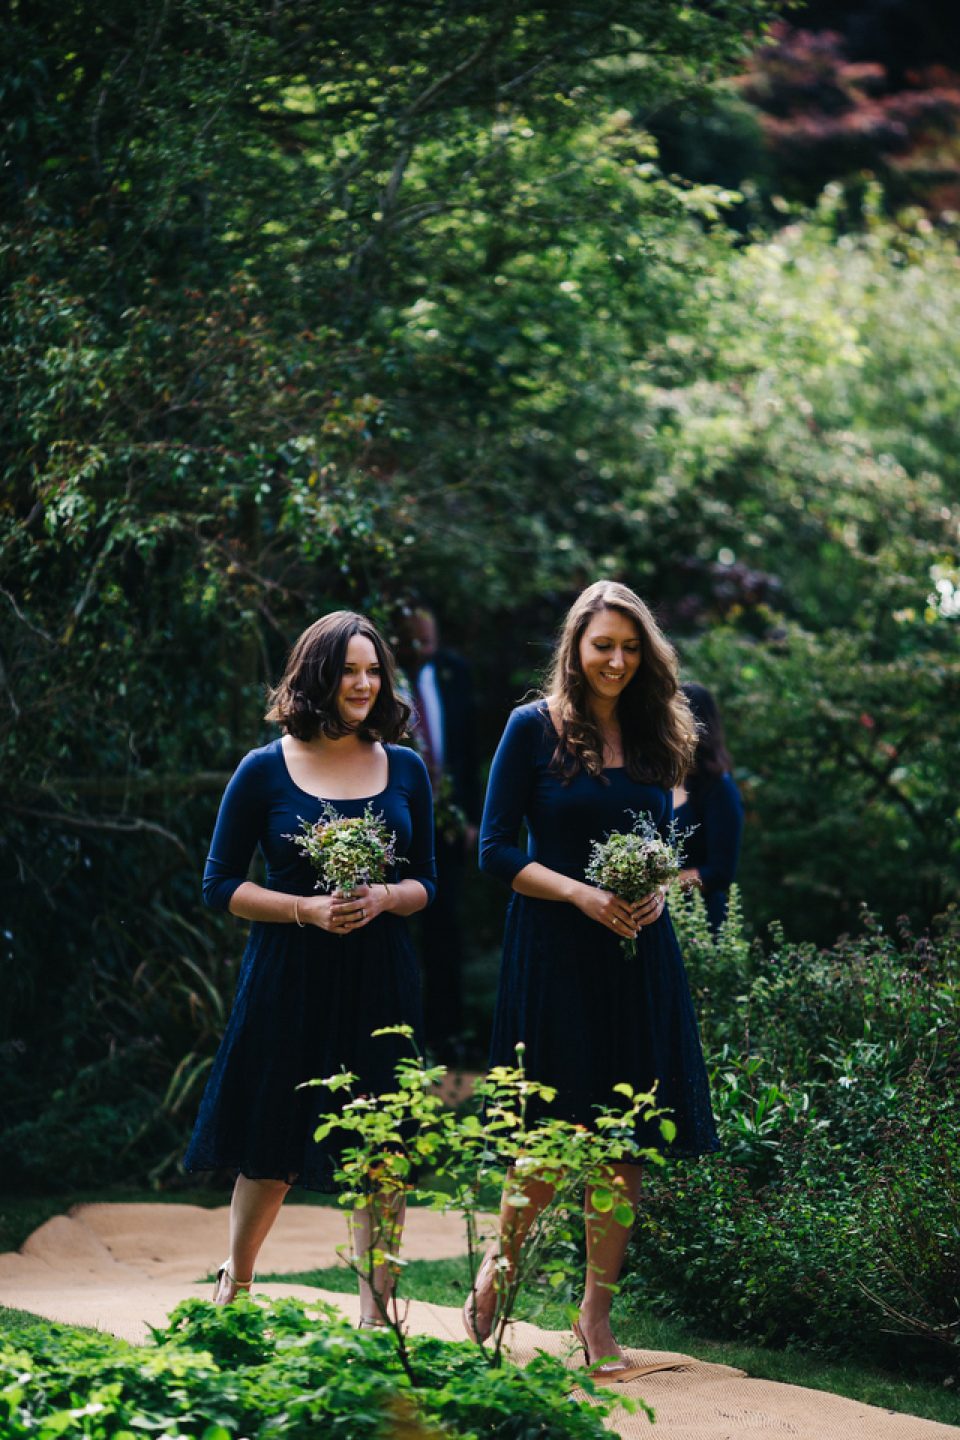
(224, 1271)
(367, 1322)
(613, 1372)
(477, 1322)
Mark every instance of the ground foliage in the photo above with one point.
(279, 1369)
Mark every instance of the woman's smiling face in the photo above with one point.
(609, 653)
(360, 681)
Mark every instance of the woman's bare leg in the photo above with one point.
(515, 1224)
(606, 1247)
(516, 1221)
(253, 1209)
(377, 1225)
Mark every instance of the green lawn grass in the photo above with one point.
(444, 1282)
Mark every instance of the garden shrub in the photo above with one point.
(789, 1002)
(283, 1369)
(107, 1116)
(832, 1216)
(911, 1209)
(836, 1256)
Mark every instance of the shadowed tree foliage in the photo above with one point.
(301, 310)
(301, 304)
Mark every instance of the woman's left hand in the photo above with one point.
(650, 909)
(356, 908)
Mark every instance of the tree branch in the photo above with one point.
(200, 782)
(95, 121)
(86, 822)
(29, 624)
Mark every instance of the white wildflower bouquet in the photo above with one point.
(347, 851)
(634, 864)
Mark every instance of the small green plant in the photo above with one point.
(754, 1113)
(402, 1135)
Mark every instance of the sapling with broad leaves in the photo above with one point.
(410, 1140)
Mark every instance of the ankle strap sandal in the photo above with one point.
(224, 1271)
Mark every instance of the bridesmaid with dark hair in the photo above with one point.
(709, 800)
(320, 972)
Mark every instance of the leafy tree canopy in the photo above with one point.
(300, 305)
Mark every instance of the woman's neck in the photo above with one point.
(604, 714)
(341, 747)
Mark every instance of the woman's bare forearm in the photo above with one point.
(255, 902)
(540, 883)
(617, 915)
(405, 897)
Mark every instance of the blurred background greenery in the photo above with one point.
(318, 306)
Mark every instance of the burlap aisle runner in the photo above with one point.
(122, 1268)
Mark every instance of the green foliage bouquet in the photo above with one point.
(347, 851)
(634, 864)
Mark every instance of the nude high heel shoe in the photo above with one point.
(480, 1306)
(612, 1372)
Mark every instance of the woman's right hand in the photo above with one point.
(333, 912)
(608, 910)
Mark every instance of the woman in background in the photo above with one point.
(320, 972)
(607, 742)
(709, 800)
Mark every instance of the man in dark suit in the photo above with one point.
(445, 732)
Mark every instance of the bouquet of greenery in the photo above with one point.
(347, 851)
(634, 865)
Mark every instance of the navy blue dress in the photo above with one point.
(589, 1016)
(714, 847)
(306, 1000)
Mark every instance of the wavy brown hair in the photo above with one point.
(712, 758)
(658, 731)
(304, 704)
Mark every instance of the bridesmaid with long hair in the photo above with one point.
(608, 740)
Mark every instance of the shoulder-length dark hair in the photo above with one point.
(304, 704)
(712, 757)
(658, 731)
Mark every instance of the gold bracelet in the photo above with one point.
(387, 888)
(296, 911)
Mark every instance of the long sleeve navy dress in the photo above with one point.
(588, 1015)
(307, 1000)
(713, 848)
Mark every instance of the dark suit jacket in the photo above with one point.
(459, 731)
